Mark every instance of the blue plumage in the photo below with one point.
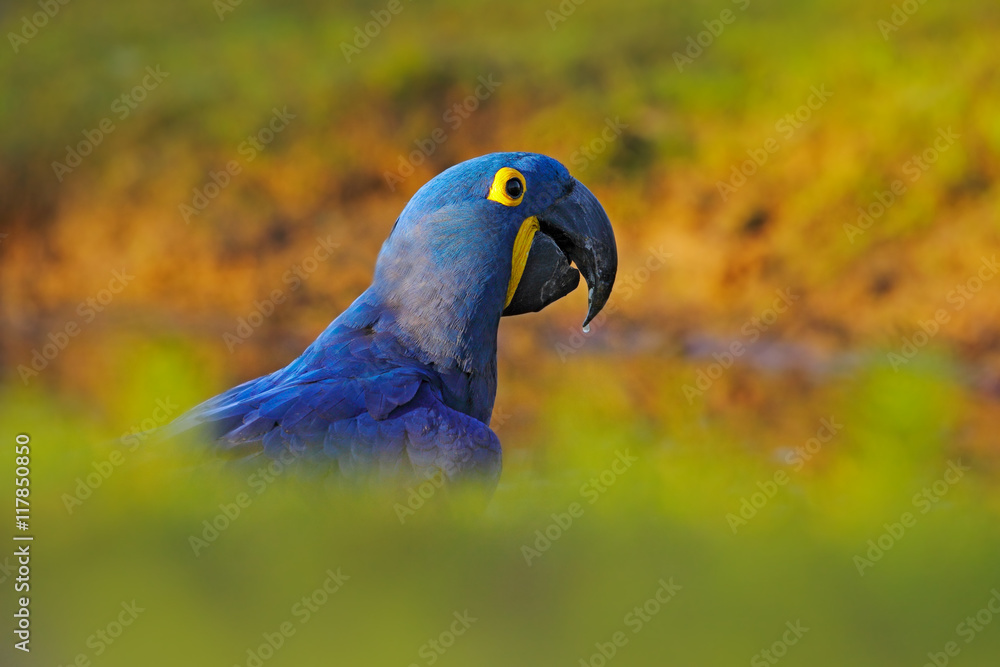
(402, 383)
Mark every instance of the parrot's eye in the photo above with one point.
(514, 188)
(508, 187)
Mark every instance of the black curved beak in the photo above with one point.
(574, 229)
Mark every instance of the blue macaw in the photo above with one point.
(401, 385)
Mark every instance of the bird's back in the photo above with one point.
(355, 401)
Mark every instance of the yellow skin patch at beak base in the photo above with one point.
(522, 245)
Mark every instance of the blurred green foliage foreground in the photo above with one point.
(657, 544)
(778, 446)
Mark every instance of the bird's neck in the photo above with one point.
(446, 306)
(450, 333)
(443, 305)
(449, 325)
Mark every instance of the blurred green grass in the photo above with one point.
(663, 517)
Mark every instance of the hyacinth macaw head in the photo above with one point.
(496, 235)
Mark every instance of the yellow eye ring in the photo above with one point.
(508, 187)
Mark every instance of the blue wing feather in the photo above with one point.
(355, 399)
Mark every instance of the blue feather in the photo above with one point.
(402, 383)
